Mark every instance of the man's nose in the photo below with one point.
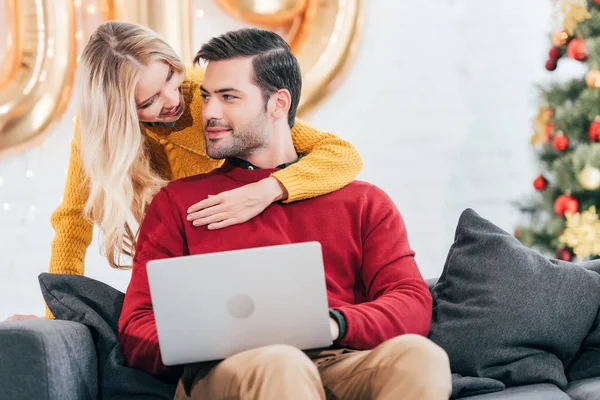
(211, 110)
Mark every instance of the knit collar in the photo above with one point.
(239, 163)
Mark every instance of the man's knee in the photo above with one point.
(273, 359)
(417, 347)
(280, 356)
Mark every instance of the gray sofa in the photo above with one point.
(44, 359)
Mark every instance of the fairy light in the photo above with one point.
(91, 9)
(77, 3)
(78, 35)
(6, 206)
(32, 208)
(200, 14)
(1, 180)
(78, 58)
(29, 173)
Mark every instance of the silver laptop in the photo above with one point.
(211, 306)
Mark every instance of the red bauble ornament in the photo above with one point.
(577, 49)
(540, 183)
(594, 131)
(565, 203)
(554, 53)
(564, 255)
(560, 142)
(597, 1)
(551, 65)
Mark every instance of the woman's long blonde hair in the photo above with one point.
(114, 152)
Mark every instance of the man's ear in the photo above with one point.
(281, 100)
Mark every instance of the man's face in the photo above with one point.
(234, 116)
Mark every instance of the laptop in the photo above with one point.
(212, 306)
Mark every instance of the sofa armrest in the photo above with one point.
(47, 359)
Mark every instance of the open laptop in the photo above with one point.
(211, 306)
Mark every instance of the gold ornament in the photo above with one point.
(559, 38)
(592, 78)
(264, 12)
(582, 233)
(171, 19)
(589, 178)
(540, 124)
(575, 12)
(40, 70)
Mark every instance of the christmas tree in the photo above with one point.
(563, 215)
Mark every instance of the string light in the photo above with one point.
(91, 9)
(78, 35)
(77, 3)
(1, 180)
(29, 173)
(200, 13)
(32, 208)
(6, 206)
(78, 58)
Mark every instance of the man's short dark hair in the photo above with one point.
(275, 67)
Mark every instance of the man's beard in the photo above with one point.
(241, 142)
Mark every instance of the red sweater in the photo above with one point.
(371, 274)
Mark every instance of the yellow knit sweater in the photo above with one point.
(180, 151)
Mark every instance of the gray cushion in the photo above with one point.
(505, 312)
(587, 389)
(542, 391)
(98, 306)
(45, 359)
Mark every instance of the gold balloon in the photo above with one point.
(589, 178)
(10, 64)
(330, 49)
(324, 36)
(41, 72)
(171, 19)
(264, 12)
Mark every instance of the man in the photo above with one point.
(380, 304)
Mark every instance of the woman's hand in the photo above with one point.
(23, 317)
(236, 206)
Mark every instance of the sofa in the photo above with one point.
(44, 359)
(515, 324)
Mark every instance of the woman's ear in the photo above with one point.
(282, 101)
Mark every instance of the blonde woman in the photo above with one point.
(139, 126)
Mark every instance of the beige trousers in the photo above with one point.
(407, 367)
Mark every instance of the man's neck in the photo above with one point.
(280, 150)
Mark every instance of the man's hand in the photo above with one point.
(334, 328)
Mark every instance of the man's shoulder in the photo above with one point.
(362, 188)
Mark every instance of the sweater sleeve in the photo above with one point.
(398, 298)
(161, 236)
(73, 231)
(329, 164)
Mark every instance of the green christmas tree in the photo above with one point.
(563, 216)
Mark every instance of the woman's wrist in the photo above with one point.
(277, 192)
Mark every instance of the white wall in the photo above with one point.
(439, 104)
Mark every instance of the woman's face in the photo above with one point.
(158, 93)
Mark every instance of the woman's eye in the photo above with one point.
(171, 73)
(148, 104)
(228, 97)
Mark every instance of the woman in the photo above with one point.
(134, 135)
